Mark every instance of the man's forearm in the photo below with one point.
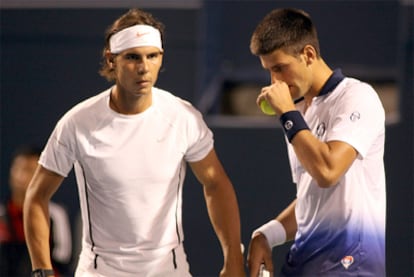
(288, 219)
(224, 214)
(36, 227)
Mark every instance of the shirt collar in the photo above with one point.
(332, 82)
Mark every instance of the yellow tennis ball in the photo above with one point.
(266, 108)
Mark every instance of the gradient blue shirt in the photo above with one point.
(341, 229)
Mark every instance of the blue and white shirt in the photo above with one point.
(341, 229)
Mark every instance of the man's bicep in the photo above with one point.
(342, 155)
(45, 182)
(209, 169)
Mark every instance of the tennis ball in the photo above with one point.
(266, 108)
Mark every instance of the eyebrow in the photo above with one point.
(278, 66)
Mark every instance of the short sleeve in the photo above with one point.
(199, 137)
(359, 118)
(58, 154)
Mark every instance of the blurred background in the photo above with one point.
(50, 55)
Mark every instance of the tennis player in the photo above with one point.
(14, 256)
(334, 127)
(129, 146)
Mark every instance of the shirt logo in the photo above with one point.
(347, 261)
(355, 116)
(320, 131)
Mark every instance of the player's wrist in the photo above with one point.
(292, 122)
(273, 231)
(42, 272)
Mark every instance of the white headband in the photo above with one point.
(135, 36)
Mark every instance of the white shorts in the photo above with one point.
(173, 264)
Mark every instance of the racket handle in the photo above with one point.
(263, 272)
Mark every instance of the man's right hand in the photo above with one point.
(259, 253)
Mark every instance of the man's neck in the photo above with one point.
(321, 75)
(128, 105)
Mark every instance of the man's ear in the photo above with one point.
(309, 54)
(110, 59)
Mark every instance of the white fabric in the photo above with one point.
(62, 235)
(135, 36)
(352, 212)
(274, 232)
(130, 171)
(160, 267)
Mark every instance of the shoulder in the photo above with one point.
(89, 105)
(357, 88)
(354, 92)
(355, 96)
(167, 98)
(173, 105)
(85, 110)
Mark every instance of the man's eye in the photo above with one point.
(277, 69)
(153, 56)
(132, 57)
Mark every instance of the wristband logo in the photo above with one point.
(347, 261)
(288, 124)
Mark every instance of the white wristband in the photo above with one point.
(274, 232)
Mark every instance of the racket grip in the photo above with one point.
(263, 272)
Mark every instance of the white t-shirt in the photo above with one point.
(341, 229)
(130, 171)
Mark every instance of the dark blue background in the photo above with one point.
(50, 58)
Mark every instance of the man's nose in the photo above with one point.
(274, 77)
(143, 66)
